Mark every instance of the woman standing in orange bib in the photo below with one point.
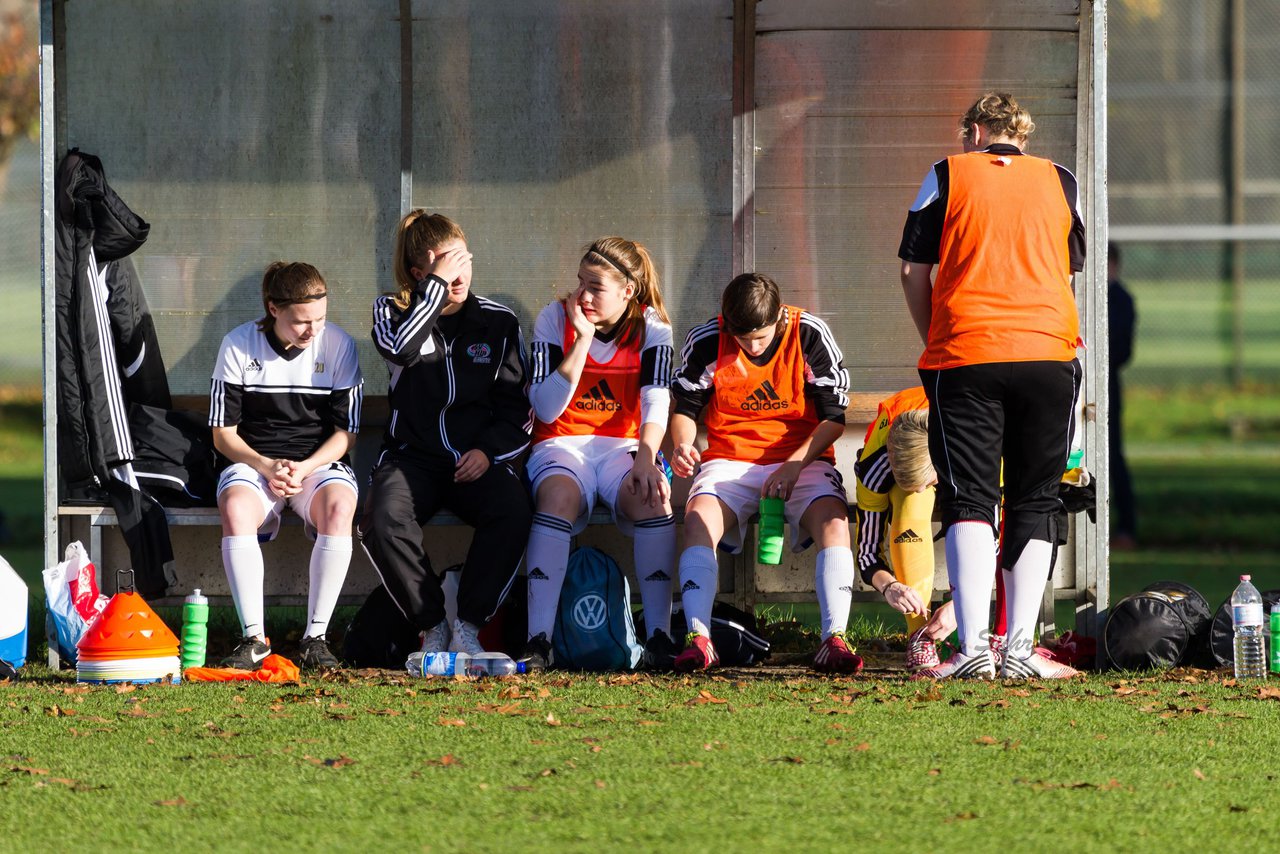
(601, 362)
(769, 381)
(1000, 329)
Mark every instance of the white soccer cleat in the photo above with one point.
(1036, 667)
(960, 666)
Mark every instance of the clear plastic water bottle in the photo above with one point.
(1247, 619)
(195, 629)
(461, 664)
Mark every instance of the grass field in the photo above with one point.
(765, 759)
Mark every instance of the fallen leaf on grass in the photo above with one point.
(1267, 693)
(600, 784)
(984, 739)
(1199, 774)
(967, 815)
(552, 720)
(176, 802)
(126, 688)
(546, 772)
(794, 760)
(27, 769)
(446, 761)
(931, 695)
(137, 712)
(704, 697)
(864, 746)
(451, 722)
(935, 772)
(648, 723)
(519, 788)
(1237, 808)
(340, 762)
(56, 711)
(392, 713)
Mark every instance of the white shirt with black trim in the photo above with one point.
(286, 403)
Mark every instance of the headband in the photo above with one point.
(611, 262)
(282, 303)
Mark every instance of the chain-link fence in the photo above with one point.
(1194, 182)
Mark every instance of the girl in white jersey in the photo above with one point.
(285, 408)
(601, 366)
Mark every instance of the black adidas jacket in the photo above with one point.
(449, 395)
(108, 358)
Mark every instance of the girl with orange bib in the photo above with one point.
(769, 381)
(601, 361)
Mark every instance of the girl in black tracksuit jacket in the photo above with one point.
(459, 417)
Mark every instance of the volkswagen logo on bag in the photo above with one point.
(590, 612)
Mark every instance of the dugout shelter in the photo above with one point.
(786, 136)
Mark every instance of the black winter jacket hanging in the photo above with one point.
(107, 357)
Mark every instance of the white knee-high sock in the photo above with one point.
(242, 560)
(971, 569)
(1023, 592)
(548, 561)
(834, 583)
(330, 558)
(699, 575)
(655, 556)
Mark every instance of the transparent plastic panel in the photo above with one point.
(244, 132)
(848, 122)
(554, 123)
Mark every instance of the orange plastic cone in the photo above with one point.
(127, 628)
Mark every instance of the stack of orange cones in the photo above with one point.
(128, 642)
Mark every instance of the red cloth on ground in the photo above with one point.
(275, 668)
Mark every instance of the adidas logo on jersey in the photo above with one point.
(764, 398)
(537, 574)
(657, 575)
(908, 536)
(254, 365)
(690, 585)
(598, 399)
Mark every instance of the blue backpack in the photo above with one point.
(594, 629)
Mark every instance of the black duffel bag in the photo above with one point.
(1165, 625)
(1222, 649)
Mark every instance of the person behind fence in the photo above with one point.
(601, 369)
(459, 421)
(771, 381)
(1122, 319)
(285, 410)
(999, 367)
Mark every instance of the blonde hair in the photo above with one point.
(417, 234)
(287, 283)
(1000, 114)
(908, 447)
(631, 261)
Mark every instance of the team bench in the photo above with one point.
(196, 537)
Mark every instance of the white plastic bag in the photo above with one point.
(71, 591)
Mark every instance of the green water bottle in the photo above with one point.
(195, 630)
(769, 549)
(1275, 638)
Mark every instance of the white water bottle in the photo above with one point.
(1247, 620)
(461, 664)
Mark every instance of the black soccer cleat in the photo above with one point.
(659, 653)
(314, 654)
(537, 653)
(248, 654)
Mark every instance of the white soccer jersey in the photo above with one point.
(285, 403)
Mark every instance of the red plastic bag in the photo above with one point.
(83, 580)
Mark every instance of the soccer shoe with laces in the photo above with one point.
(960, 666)
(314, 654)
(922, 652)
(248, 654)
(466, 638)
(660, 652)
(1036, 667)
(837, 656)
(537, 653)
(436, 639)
(699, 654)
